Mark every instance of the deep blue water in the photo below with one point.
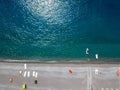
(34, 29)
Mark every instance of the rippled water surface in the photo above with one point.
(34, 29)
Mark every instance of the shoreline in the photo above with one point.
(80, 61)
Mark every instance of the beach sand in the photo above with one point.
(53, 75)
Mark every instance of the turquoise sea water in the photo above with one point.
(35, 29)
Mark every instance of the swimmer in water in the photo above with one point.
(96, 56)
(87, 51)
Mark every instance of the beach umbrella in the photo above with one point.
(19, 73)
(35, 81)
(70, 71)
(11, 79)
(96, 71)
(24, 86)
(118, 72)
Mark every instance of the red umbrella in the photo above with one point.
(118, 72)
(70, 71)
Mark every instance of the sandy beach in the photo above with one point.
(56, 76)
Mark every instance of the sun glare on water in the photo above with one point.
(53, 11)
